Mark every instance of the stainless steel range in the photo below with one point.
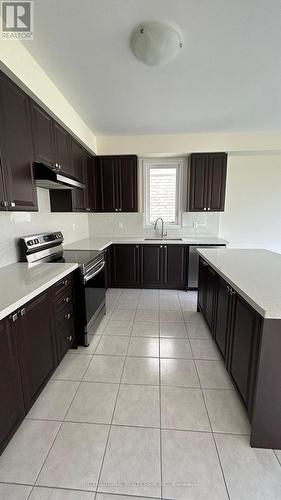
(89, 281)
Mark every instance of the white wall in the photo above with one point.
(252, 217)
(180, 144)
(17, 62)
(131, 225)
(74, 226)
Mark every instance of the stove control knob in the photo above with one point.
(30, 243)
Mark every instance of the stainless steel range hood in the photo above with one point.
(52, 177)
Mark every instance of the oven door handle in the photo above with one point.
(92, 275)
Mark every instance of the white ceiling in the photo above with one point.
(228, 77)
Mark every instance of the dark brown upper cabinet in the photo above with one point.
(116, 178)
(62, 148)
(17, 186)
(91, 182)
(43, 134)
(11, 395)
(207, 179)
(79, 170)
(74, 200)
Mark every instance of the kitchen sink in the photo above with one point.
(162, 239)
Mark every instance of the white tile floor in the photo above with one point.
(146, 411)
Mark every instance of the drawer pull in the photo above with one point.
(67, 316)
(69, 338)
(66, 299)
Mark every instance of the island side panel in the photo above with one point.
(266, 415)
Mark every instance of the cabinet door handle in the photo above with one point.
(165, 246)
(22, 312)
(205, 208)
(161, 246)
(137, 246)
(209, 208)
(69, 338)
(65, 282)
(12, 204)
(4, 203)
(67, 316)
(66, 299)
(13, 317)
(116, 209)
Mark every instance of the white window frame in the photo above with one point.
(160, 162)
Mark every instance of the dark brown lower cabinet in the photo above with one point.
(33, 340)
(148, 266)
(211, 284)
(222, 316)
(244, 342)
(124, 264)
(251, 348)
(11, 395)
(151, 258)
(36, 344)
(175, 266)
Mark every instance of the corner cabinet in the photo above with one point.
(207, 180)
(116, 178)
(17, 185)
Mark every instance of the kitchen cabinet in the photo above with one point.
(79, 166)
(148, 266)
(43, 134)
(62, 295)
(116, 183)
(222, 316)
(174, 266)
(244, 342)
(91, 184)
(207, 179)
(17, 185)
(36, 346)
(33, 340)
(202, 280)
(78, 199)
(124, 261)
(11, 396)
(207, 293)
(151, 264)
(62, 148)
(235, 326)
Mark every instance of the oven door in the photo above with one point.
(94, 286)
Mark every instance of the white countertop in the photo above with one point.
(254, 274)
(21, 283)
(102, 243)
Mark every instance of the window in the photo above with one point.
(162, 191)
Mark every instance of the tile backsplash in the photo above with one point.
(74, 226)
(131, 225)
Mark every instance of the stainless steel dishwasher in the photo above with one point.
(193, 264)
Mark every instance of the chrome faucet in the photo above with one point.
(163, 235)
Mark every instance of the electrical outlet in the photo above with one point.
(74, 227)
(121, 225)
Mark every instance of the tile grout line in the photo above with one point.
(112, 417)
(59, 429)
(214, 441)
(160, 404)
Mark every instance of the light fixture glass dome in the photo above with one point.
(156, 44)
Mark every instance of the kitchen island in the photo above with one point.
(239, 296)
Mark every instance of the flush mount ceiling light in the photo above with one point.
(156, 44)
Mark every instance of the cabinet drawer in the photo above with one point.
(64, 300)
(65, 339)
(63, 284)
(64, 318)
